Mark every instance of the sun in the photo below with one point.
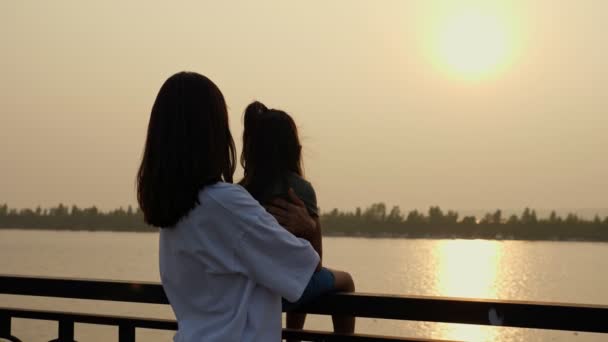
(473, 42)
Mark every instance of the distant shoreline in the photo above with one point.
(331, 234)
(376, 221)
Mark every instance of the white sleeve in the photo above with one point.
(269, 254)
(276, 259)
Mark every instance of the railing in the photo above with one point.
(570, 317)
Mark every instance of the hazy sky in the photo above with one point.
(385, 114)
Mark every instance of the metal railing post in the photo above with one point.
(66, 331)
(126, 333)
(5, 326)
(5, 329)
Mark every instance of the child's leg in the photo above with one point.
(295, 320)
(343, 283)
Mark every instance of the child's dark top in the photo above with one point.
(300, 186)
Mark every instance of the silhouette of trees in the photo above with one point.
(415, 218)
(73, 218)
(374, 220)
(436, 223)
(395, 215)
(528, 217)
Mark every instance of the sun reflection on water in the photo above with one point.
(468, 269)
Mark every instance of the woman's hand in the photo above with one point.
(293, 216)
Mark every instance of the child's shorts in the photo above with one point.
(320, 283)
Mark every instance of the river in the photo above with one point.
(572, 272)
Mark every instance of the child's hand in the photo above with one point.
(293, 216)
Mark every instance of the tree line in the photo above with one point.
(74, 218)
(375, 220)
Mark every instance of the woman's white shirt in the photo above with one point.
(226, 265)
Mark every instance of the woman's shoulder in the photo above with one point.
(232, 197)
(226, 197)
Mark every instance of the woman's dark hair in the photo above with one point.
(188, 146)
(271, 148)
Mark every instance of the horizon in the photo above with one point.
(405, 103)
(542, 213)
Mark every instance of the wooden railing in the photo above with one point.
(571, 317)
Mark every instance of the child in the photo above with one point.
(272, 161)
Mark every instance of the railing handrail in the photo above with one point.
(81, 288)
(521, 314)
(151, 292)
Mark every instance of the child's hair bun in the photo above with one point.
(255, 107)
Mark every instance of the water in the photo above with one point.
(539, 271)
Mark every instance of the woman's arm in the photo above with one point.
(294, 217)
(264, 250)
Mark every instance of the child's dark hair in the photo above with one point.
(271, 148)
(188, 146)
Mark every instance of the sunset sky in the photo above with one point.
(462, 104)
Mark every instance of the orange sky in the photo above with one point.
(381, 118)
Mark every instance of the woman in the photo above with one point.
(225, 262)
